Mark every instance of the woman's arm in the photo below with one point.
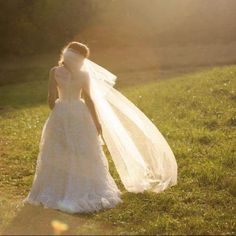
(89, 102)
(52, 89)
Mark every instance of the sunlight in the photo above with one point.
(59, 227)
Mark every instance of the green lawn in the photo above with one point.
(197, 115)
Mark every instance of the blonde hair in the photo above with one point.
(81, 48)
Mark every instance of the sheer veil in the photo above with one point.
(142, 156)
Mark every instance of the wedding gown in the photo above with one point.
(72, 172)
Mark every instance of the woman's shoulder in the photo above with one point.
(54, 68)
(84, 76)
(53, 72)
(84, 73)
(58, 71)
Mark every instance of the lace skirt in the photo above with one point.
(72, 172)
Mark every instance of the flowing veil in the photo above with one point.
(142, 156)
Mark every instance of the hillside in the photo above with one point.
(195, 112)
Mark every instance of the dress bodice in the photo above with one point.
(68, 88)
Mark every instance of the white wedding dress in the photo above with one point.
(72, 172)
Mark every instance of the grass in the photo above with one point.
(196, 113)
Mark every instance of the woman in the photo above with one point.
(72, 172)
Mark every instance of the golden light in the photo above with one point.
(58, 227)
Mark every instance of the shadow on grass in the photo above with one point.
(37, 220)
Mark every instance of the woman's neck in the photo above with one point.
(66, 66)
(72, 70)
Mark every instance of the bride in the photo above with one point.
(87, 112)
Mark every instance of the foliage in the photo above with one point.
(30, 27)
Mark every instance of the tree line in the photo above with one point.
(33, 26)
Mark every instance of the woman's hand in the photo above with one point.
(99, 128)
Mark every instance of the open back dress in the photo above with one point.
(72, 172)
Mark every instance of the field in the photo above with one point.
(196, 112)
